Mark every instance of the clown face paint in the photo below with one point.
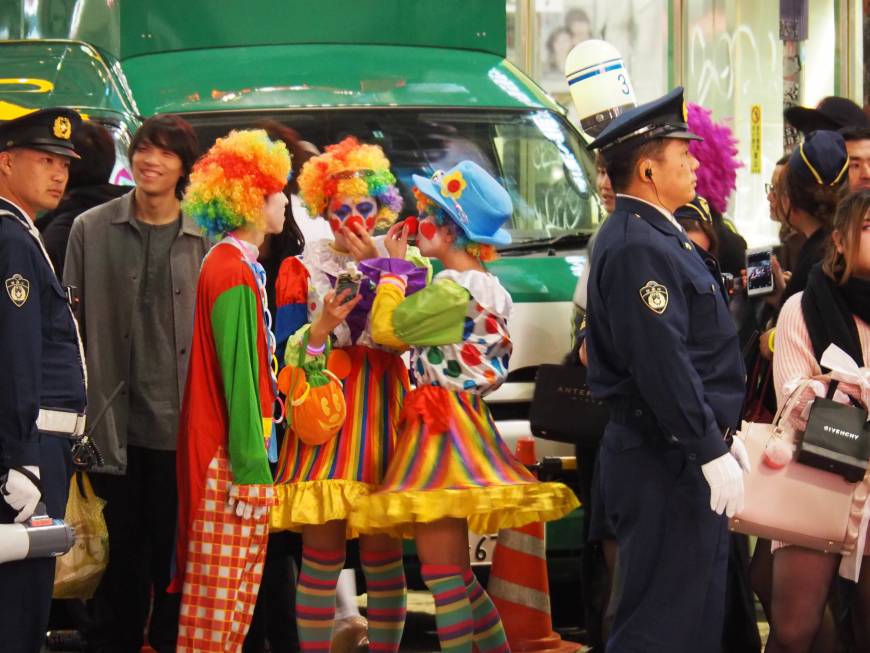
(430, 238)
(349, 211)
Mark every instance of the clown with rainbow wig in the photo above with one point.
(225, 486)
(350, 185)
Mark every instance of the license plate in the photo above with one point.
(481, 547)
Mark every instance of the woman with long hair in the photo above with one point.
(833, 309)
(350, 185)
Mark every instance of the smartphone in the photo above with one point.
(759, 272)
(346, 281)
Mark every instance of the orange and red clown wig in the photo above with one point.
(350, 169)
(230, 183)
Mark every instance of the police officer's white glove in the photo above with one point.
(738, 450)
(245, 510)
(725, 479)
(21, 493)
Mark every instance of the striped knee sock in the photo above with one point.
(387, 599)
(452, 609)
(489, 635)
(315, 598)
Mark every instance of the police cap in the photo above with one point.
(821, 159)
(49, 130)
(697, 209)
(661, 118)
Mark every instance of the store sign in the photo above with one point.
(755, 139)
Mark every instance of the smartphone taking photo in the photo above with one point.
(759, 271)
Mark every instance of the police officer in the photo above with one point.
(663, 353)
(42, 387)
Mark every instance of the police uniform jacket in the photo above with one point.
(663, 350)
(39, 345)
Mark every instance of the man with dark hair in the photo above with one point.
(858, 147)
(135, 262)
(42, 387)
(663, 352)
(88, 186)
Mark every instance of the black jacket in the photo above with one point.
(55, 225)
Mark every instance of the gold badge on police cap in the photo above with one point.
(62, 128)
(18, 289)
(655, 296)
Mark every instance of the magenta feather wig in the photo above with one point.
(717, 156)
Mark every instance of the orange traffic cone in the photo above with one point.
(518, 584)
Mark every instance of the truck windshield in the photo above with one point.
(534, 153)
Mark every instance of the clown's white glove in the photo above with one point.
(21, 493)
(725, 479)
(246, 510)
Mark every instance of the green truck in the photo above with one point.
(428, 81)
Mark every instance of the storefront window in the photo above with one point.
(734, 64)
(733, 60)
(637, 28)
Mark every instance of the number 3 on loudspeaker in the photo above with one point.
(625, 89)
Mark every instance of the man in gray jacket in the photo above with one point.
(134, 262)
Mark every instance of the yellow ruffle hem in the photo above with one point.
(487, 509)
(312, 503)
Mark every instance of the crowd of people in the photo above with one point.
(248, 402)
(235, 387)
(819, 194)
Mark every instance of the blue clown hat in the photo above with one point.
(473, 199)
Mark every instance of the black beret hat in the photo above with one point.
(832, 113)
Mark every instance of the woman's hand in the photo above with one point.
(359, 242)
(780, 280)
(335, 311)
(396, 240)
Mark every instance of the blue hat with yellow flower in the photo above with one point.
(475, 201)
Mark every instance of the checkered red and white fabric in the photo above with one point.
(224, 565)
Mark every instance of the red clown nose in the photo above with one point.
(352, 222)
(413, 225)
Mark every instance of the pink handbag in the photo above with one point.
(796, 504)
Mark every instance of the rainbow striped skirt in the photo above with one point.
(450, 461)
(317, 484)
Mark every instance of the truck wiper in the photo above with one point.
(565, 241)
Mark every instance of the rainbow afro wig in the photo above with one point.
(352, 169)
(230, 183)
(717, 156)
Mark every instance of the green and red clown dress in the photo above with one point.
(226, 420)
